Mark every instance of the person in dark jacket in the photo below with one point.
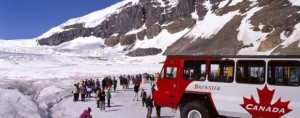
(153, 88)
(143, 96)
(96, 89)
(136, 92)
(102, 100)
(158, 109)
(125, 86)
(86, 82)
(89, 88)
(97, 83)
(86, 113)
(121, 80)
(104, 83)
(132, 79)
(109, 82)
(115, 83)
(149, 105)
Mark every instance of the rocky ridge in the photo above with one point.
(270, 20)
(148, 13)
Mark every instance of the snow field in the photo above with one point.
(122, 106)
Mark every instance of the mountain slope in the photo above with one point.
(259, 27)
(202, 27)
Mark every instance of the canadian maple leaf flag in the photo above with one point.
(264, 109)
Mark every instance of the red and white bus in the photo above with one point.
(234, 86)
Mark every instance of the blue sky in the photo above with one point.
(24, 19)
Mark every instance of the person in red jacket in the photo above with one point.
(86, 113)
(138, 81)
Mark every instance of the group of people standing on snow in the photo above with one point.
(86, 87)
(109, 83)
(100, 98)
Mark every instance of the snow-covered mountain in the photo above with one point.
(256, 27)
(248, 27)
(130, 28)
(186, 27)
(37, 74)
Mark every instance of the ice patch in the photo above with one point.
(260, 26)
(248, 36)
(223, 3)
(83, 43)
(210, 25)
(294, 37)
(18, 43)
(195, 15)
(14, 104)
(207, 5)
(295, 2)
(135, 31)
(44, 93)
(234, 2)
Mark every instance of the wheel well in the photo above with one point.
(202, 97)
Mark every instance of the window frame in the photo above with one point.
(168, 75)
(225, 65)
(250, 66)
(287, 65)
(196, 76)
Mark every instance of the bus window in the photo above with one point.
(284, 73)
(194, 70)
(171, 72)
(252, 72)
(221, 71)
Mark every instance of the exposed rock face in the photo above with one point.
(201, 10)
(133, 17)
(273, 18)
(112, 41)
(153, 30)
(75, 26)
(128, 19)
(277, 16)
(65, 36)
(122, 39)
(223, 43)
(127, 39)
(144, 52)
(292, 49)
(269, 44)
(141, 35)
(181, 24)
(242, 7)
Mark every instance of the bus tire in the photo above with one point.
(195, 109)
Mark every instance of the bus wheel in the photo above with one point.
(195, 109)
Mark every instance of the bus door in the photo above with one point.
(170, 87)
